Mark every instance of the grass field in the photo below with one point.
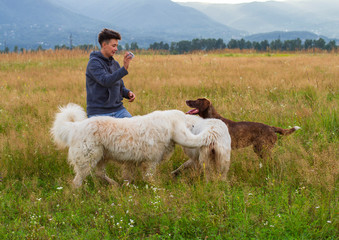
(295, 196)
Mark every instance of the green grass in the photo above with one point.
(294, 196)
(36, 209)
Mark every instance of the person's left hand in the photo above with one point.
(127, 58)
(131, 96)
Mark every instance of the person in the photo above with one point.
(104, 85)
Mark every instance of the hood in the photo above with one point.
(98, 54)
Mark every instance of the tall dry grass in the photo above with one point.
(282, 90)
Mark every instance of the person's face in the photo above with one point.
(108, 49)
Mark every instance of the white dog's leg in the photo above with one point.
(129, 171)
(77, 182)
(84, 157)
(81, 169)
(150, 169)
(81, 173)
(224, 171)
(224, 161)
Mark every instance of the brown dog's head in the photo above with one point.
(199, 106)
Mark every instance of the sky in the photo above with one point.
(224, 1)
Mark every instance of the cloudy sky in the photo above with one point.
(227, 1)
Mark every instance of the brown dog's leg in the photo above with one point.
(263, 151)
(100, 172)
(189, 163)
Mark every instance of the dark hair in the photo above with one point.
(108, 34)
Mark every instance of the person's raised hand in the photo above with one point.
(127, 59)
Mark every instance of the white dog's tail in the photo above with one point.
(63, 125)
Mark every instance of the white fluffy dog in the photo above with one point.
(213, 159)
(149, 138)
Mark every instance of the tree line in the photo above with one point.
(215, 44)
(186, 46)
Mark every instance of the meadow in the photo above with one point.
(293, 196)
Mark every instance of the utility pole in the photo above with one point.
(5, 46)
(70, 42)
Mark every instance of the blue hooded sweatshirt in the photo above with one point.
(104, 85)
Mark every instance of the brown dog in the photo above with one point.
(243, 134)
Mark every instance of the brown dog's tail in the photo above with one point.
(285, 132)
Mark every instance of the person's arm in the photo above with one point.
(126, 93)
(104, 78)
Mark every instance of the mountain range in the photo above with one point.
(32, 23)
(317, 16)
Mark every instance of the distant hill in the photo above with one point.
(157, 20)
(283, 36)
(318, 16)
(30, 23)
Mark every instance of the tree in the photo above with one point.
(197, 44)
(257, 46)
(232, 44)
(276, 44)
(220, 44)
(173, 48)
(39, 48)
(134, 46)
(331, 45)
(241, 43)
(264, 45)
(298, 44)
(320, 43)
(159, 46)
(308, 44)
(248, 45)
(184, 46)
